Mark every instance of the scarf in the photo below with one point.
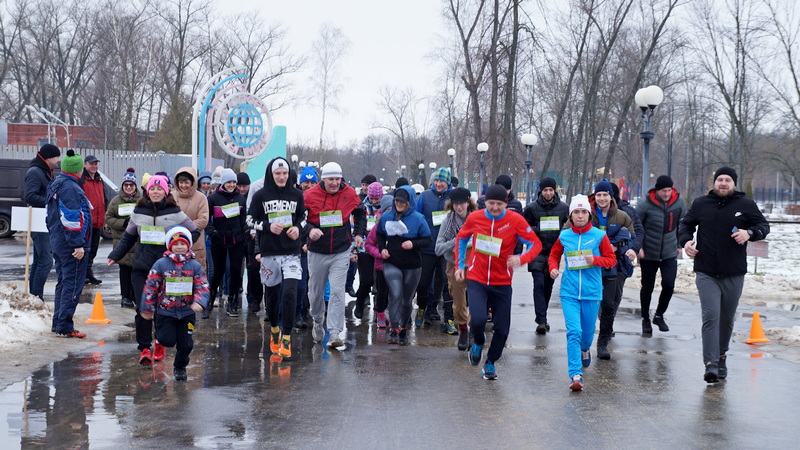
(454, 224)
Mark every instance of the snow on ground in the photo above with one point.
(22, 316)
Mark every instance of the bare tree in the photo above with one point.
(328, 51)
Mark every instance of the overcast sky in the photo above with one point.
(391, 45)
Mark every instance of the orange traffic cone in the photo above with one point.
(756, 332)
(98, 311)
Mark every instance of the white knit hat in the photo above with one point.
(580, 201)
(331, 170)
(182, 231)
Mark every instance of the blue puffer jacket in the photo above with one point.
(69, 214)
(429, 202)
(418, 233)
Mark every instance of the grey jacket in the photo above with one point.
(660, 221)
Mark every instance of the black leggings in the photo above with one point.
(669, 270)
(219, 255)
(286, 303)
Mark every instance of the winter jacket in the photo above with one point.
(510, 228)
(428, 203)
(660, 221)
(227, 231)
(638, 229)
(158, 218)
(337, 238)
(418, 233)
(37, 178)
(195, 205)
(164, 276)
(582, 283)
(270, 204)
(371, 246)
(547, 219)
(513, 203)
(95, 191)
(718, 254)
(615, 220)
(446, 247)
(118, 220)
(69, 215)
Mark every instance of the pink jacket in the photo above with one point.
(372, 245)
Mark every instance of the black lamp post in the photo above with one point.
(483, 147)
(647, 99)
(528, 140)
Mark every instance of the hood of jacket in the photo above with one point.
(37, 161)
(269, 181)
(192, 176)
(653, 196)
(412, 204)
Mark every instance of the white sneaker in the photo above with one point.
(318, 332)
(335, 341)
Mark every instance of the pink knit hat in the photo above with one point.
(375, 190)
(158, 180)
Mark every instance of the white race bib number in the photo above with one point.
(549, 223)
(284, 218)
(438, 217)
(231, 210)
(126, 209)
(576, 259)
(152, 235)
(370, 223)
(488, 245)
(179, 286)
(330, 219)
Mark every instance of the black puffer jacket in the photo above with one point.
(37, 178)
(151, 214)
(534, 213)
(718, 254)
(226, 230)
(660, 221)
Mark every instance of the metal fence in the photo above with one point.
(114, 163)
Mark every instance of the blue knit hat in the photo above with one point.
(130, 175)
(604, 186)
(442, 173)
(308, 174)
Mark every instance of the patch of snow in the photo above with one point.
(22, 316)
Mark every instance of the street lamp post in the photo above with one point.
(35, 111)
(452, 154)
(294, 162)
(403, 170)
(647, 99)
(421, 173)
(528, 140)
(483, 147)
(66, 127)
(432, 165)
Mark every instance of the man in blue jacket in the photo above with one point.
(37, 178)
(69, 222)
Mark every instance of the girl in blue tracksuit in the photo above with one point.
(587, 250)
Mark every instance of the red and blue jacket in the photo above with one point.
(583, 283)
(69, 214)
(172, 270)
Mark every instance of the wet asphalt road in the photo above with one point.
(651, 394)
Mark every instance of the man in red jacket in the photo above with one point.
(330, 205)
(93, 186)
(493, 233)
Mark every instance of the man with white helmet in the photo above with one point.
(330, 205)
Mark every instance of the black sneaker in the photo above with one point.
(93, 280)
(647, 328)
(358, 310)
(463, 338)
(722, 367)
(542, 328)
(402, 337)
(126, 303)
(602, 352)
(180, 374)
(712, 373)
(662, 324)
(351, 293)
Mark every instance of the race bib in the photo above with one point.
(549, 223)
(284, 217)
(330, 219)
(179, 286)
(370, 223)
(152, 235)
(125, 209)
(488, 245)
(231, 210)
(576, 260)
(438, 217)
(395, 228)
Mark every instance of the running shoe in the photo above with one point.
(475, 354)
(159, 352)
(586, 358)
(381, 320)
(318, 332)
(576, 384)
(420, 319)
(275, 342)
(450, 327)
(285, 351)
(145, 357)
(180, 374)
(488, 371)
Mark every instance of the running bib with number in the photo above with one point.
(438, 217)
(231, 210)
(179, 286)
(330, 219)
(576, 259)
(370, 223)
(152, 235)
(549, 223)
(284, 218)
(126, 209)
(488, 245)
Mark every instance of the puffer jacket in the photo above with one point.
(429, 202)
(95, 191)
(37, 178)
(542, 216)
(418, 233)
(195, 205)
(162, 217)
(118, 221)
(660, 221)
(614, 221)
(172, 265)
(69, 215)
(335, 239)
(231, 230)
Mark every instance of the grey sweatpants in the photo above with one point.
(322, 267)
(402, 285)
(719, 298)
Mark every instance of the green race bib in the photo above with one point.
(576, 260)
(152, 235)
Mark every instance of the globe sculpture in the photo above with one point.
(245, 125)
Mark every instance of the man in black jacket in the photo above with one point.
(546, 216)
(726, 220)
(37, 178)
